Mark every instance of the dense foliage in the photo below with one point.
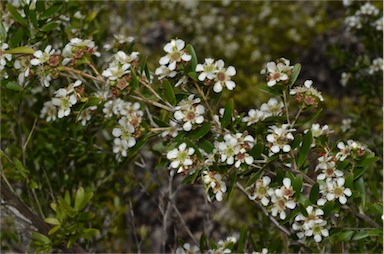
(176, 126)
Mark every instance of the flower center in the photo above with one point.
(329, 172)
(222, 76)
(262, 191)
(288, 192)
(182, 156)
(240, 156)
(190, 116)
(316, 230)
(275, 76)
(175, 56)
(338, 191)
(280, 204)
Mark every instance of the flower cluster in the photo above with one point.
(214, 182)
(274, 107)
(63, 101)
(4, 57)
(216, 73)
(79, 51)
(367, 14)
(311, 224)
(175, 54)
(306, 95)
(119, 68)
(189, 112)
(352, 148)
(234, 149)
(278, 72)
(128, 128)
(278, 200)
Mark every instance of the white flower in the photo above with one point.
(273, 107)
(4, 57)
(116, 71)
(334, 189)
(181, 158)
(125, 131)
(208, 69)
(317, 230)
(376, 66)
(42, 57)
(49, 111)
(254, 116)
(77, 49)
(259, 190)
(23, 65)
(345, 77)
(345, 150)
(189, 113)
(279, 138)
(86, 114)
(214, 182)
(64, 101)
(171, 131)
(346, 124)
(175, 54)
(163, 71)
(119, 147)
(282, 199)
(188, 249)
(307, 94)
(277, 72)
(312, 224)
(223, 77)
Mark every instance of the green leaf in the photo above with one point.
(257, 150)
(33, 185)
(169, 93)
(190, 179)
(269, 90)
(49, 26)
(197, 151)
(343, 236)
(92, 101)
(295, 74)
(327, 208)
(360, 187)
(66, 208)
(12, 85)
(227, 117)
(360, 235)
(147, 73)
(297, 185)
(310, 118)
(207, 146)
(3, 32)
(16, 15)
(16, 38)
(232, 185)
(79, 198)
(54, 229)
(203, 242)
(20, 50)
(366, 161)
(242, 239)
(41, 238)
(20, 168)
(87, 197)
(52, 221)
(86, 216)
(200, 132)
(88, 233)
(191, 65)
(51, 11)
(135, 81)
(32, 17)
(193, 75)
(306, 145)
(314, 194)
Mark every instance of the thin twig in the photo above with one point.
(184, 224)
(81, 73)
(140, 97)
(286, 106)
